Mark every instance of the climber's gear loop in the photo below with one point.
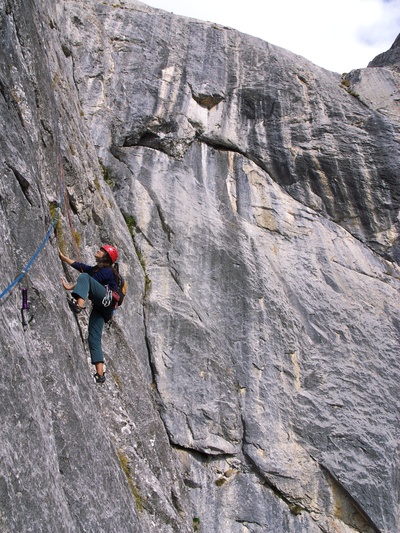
(106, 302)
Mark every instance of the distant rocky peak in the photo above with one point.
(390, 58)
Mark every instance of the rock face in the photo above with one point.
(379, 88)
(253, 371)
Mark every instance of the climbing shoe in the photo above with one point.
(73, 305)
(99, 379)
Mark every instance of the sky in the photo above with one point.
(338, 35)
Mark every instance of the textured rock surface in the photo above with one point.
(379, 88)
(253, 371)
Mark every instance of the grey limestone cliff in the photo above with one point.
(253, 370)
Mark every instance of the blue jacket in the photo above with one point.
(104, 275)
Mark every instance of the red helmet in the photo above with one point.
(112, 252)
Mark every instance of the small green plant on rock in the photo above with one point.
(98, 187)
(123, 459)
(107, 175)
(77, 237)
(295, 509)
(346, 85)
(130, 222)
(58, 230)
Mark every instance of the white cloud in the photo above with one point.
(386, 23)
(339, 35)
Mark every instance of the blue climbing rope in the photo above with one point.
(35, 255)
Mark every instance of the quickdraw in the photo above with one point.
(26, 317)
(106, 302)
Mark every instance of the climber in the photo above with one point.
(98, 284)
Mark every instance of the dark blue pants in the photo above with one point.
(87, 287)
